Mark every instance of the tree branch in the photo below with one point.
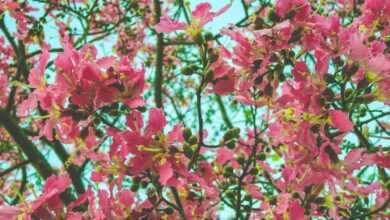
(72, 170)
(30, 150)
(10, 169)
(225, 116)
(159, 58)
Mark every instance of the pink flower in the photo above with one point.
(375, 5)
(299, 71)
(225, 86)
(166, 173)
(296, 212)
(301, 8)
(48, 200)
(201, 15)
(322, 63)
(3, 89)
(126, 197)
(359, 51)
(340, 121)
(282, 201)
(224, 155)
(96, 176)
(36, 77)
(167, 25)
(156, 121)
(9, 212)
(255, 192)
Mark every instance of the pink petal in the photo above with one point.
(204, 15)
(167, 25)
(135, 102)
(126, 197)
(9, 212)
(224, 155)
(202, 11)
(106, 62)
(58, 183)
(36, 77)
(91, 73)
(96, 176)
(176, 134)
(322, 62)
(166, 172)
(27, 106)
(341, 121)
(224, 86)
(298, 71)
(156, 121)
(359, 51)
(282, 7)
(134, 121)
(354, 155)
(74, 216)
(282, 200)
(296, 212)
(255, 192)
(379, 64)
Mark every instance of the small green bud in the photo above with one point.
(273, 16)
(209, 76)
(208, 36)
(241, 159)
(254, 171)
(189, 70)
(169, 211)
(198, 38)
(193, 140)
(388, 185)
(261, 156)
(188, 151)
(231, 133)
(228, 170)
(295, 195)
(319, 200)
(144, 184)
(187, 133)
(329, 78)
(230, 194)
(134, 187)
(247, 197)
(84, 132)
(231, 144)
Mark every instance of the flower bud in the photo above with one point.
(261, 156)
(193, 140)
(254, 171)
(231, 144)
(169, 211)
(187, 133)
(231, 134)
(134, 187)
(241, 159)
(188, 152)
